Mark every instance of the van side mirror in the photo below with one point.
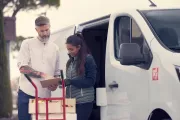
(130, 54)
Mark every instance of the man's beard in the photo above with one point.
(44, 39)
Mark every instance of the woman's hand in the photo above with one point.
(66, 81)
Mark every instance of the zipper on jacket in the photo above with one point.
(71, 77)
(81, 92)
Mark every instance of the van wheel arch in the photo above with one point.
(159, 114)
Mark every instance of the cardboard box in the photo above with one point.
(54, 106)
(55, 116)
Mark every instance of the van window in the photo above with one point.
(137, 36)
(126, 31)
(166, 26)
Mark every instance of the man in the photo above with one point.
(38, 58)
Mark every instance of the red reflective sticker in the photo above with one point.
(155, 73)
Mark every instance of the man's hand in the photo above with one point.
(52, 87)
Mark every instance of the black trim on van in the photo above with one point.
(95, 20)
(92, 23)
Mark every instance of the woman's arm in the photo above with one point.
(90, 75)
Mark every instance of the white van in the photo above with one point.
(138, 57)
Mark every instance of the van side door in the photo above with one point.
(127, 86)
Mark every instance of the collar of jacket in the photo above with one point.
(72, 58)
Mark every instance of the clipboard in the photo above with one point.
(49, 82)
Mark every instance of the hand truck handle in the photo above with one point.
(63, 94)
(36, 94)
(62, 76)
(29, 79)
(62, 81)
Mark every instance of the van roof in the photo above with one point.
(128, 9)
(107, 16)
(145, 8)
(158, 8)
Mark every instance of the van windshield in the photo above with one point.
(166, 25)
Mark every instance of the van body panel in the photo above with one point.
(139, 91)
(163, 90)
(59, 38)
(133, 90)
(171, 108)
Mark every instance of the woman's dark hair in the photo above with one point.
(78, 40)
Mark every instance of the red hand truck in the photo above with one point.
(49, 99)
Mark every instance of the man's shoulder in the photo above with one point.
(28, 40)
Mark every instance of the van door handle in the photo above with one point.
(113, 85)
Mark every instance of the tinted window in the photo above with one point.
(166, 24)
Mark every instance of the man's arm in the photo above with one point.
(31, 72)
(23, 61)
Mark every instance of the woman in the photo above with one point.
(81, 76)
